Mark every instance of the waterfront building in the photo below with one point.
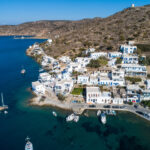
(44, 77)
(38, 87)
(95, 96)
(133, 93)
(63, 86)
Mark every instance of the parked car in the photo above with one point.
(92, 106)
(106, 106)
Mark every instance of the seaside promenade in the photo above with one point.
(79, 108)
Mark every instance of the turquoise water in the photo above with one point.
(123, 132)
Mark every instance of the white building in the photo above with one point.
(83, 79)
(134, 70)
(96, 55)
(112, 62)
(128, 49)
(65, 59)
(112, 55)
(90, 50)
(117, 76)
(133, 93)
(130, 59)
(83, 61)
(49, 41)
(44, 77)
(63, 86)
(38, 87)
(117, 101)
(148, 84)
(94, 95)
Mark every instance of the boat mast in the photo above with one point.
(2, 99)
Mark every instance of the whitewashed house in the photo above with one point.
(65, 59)
(83, 61)
(95, 96)
(83, 79)
(130, 59)
(105, 81)
(64, 86)
(145, 95)
(133, 94)
(128, 49)
(90, 50)
(96, 55)
(148, 84)
(38, 87)
(112, 55)
(49, 41)
(117, 101)
(44, 77)
(134, 70)
(112, 62)
(118, 77)
(65, 74)
(93, 80)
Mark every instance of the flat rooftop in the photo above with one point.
(92, 89)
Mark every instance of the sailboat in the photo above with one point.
(3, 107)
(29, 145)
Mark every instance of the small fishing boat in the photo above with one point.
(70, 118)
(54, 113)
(28, 145)
(103, 118)
(98, 112)
(76, 118)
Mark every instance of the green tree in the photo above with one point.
(118, 61)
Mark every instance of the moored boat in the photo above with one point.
(54, 113)
(103, 118)
(98, 112)
(70, 118)
(76, 118)
(28, 145)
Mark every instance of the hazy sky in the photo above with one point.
(18, 11)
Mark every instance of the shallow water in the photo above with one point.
(123, 132)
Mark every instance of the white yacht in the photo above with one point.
(76, 118)
(103, 118)
(28, 145)
(70, 118)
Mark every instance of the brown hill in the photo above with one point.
(101, 33)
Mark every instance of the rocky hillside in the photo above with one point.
(102, 33)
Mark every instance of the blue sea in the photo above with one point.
(122, 132)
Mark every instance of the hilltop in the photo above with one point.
(71, 37)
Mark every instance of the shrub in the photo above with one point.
(118, 61)
(61, 97)
(133, 79)
(77, 91)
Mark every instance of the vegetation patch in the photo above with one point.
(133, 79)
(145, 103)
(102, 61)
(77, 91)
